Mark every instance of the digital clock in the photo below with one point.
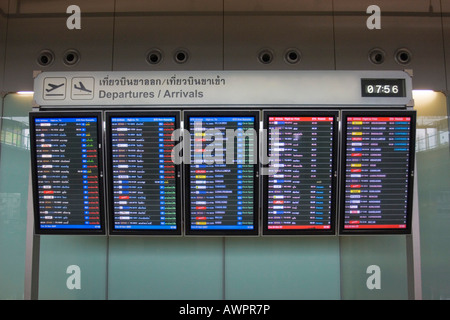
(383, 87)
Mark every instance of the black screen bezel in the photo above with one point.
(333, 214)
(109, 174)
(342, 171)
(205, 232)
(33, 153)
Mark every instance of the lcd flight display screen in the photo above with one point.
(143, 180)
(299, 180)
(67, 173)
(221, 190)
(377, 172)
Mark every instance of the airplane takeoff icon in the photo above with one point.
(81, 87)
(54, 86)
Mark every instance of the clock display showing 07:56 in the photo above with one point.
(383, 87)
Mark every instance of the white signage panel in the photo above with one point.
(222, 88)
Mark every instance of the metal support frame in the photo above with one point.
(32, 251)
(413, 256)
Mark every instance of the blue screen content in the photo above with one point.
(67, 168)
(221, 173)
(143, 173)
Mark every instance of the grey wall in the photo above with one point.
(224, 34)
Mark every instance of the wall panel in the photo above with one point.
(165, 268)
(287, 268)
(446, 34)
(3, 28)
(166, 29)
(261, 35)
(32, 31)
(414, 25)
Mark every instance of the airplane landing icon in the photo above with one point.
(82, 87)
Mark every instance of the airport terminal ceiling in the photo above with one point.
(185, 37)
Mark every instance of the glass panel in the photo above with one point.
(433, 178)
(14, 180)
(73, 267)
(165, 268)
(282, 268)
(374, 267)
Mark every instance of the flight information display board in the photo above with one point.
(66, 172)
(377, 171)
(221, 189)
(299, 183)
(143, 180)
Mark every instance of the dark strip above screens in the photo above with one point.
(143, 180)
(66, 172)
(221, 180)
(299, 182)
(377, 172)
